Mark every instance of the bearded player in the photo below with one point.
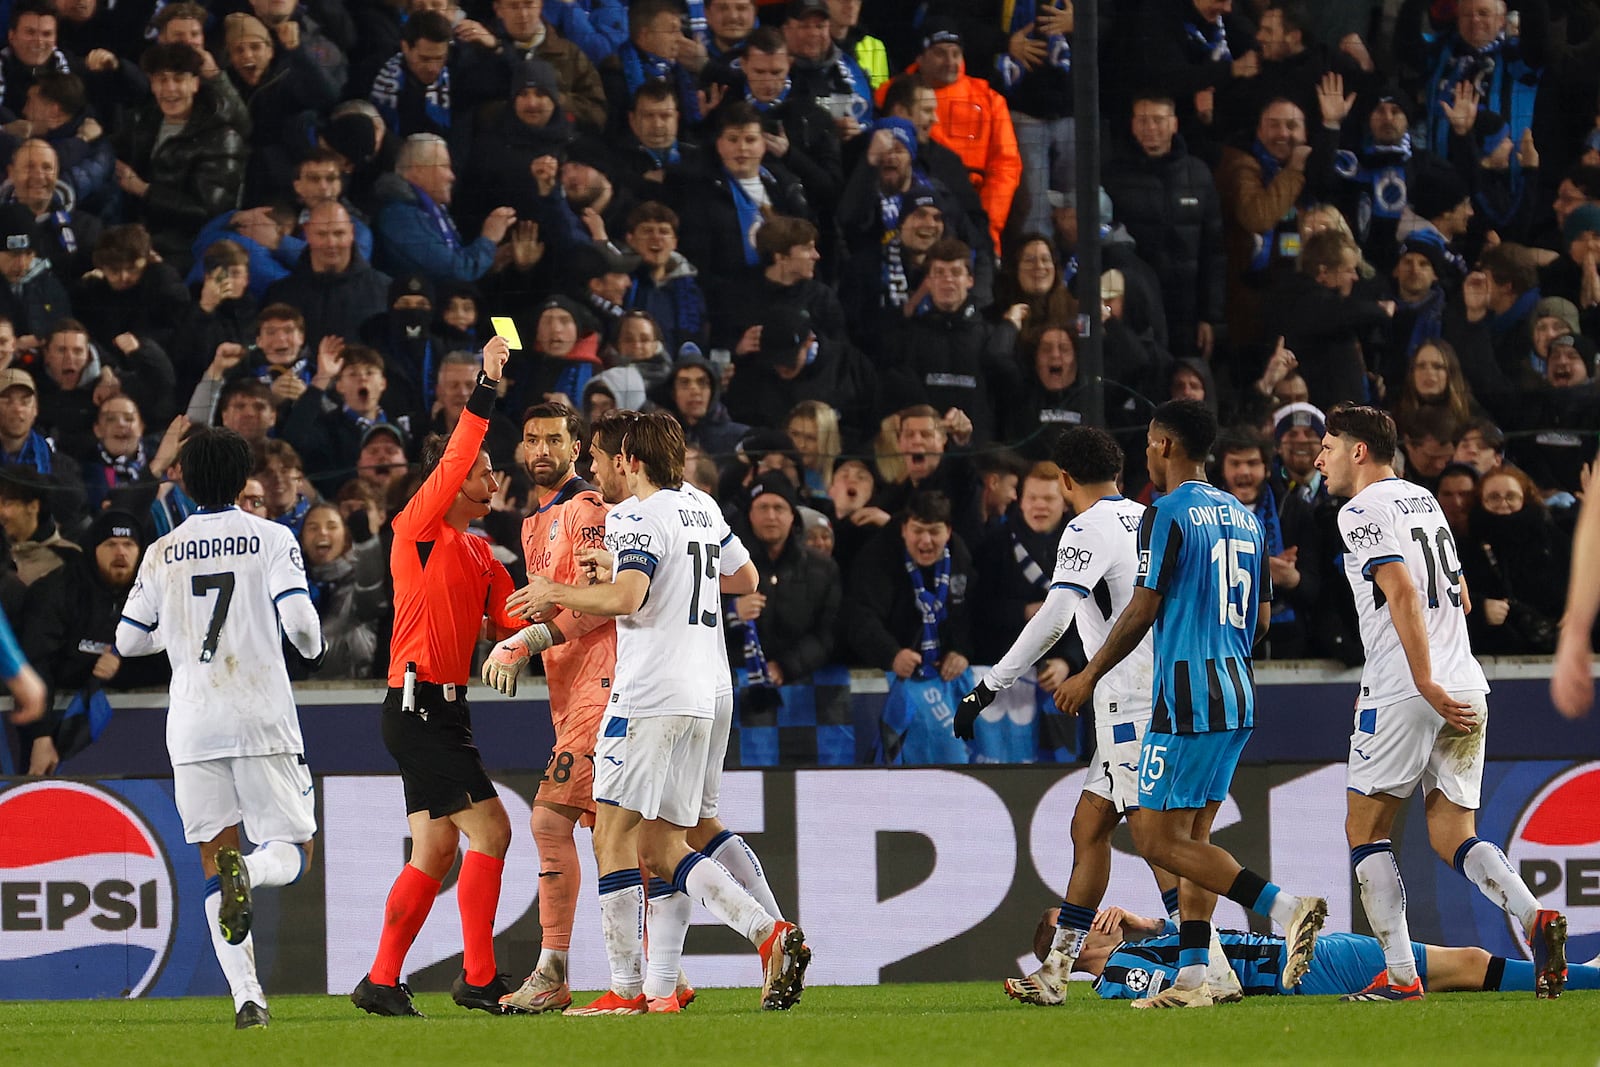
(580, 655)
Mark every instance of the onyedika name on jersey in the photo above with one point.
(211, 548)
(1219, 514)
(1417, 505)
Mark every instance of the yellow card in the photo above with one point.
(506, 329)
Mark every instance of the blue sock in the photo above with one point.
(1518, 975)
(1075, 917)
(1169, 900)
(1194, 943)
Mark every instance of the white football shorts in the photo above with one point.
(655, 766)
(716, 755)
(272, 795)
(1114, 767)
(1399, 746)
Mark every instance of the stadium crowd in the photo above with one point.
(837, 241)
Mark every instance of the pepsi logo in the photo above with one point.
(1556, 849)
(86, 894)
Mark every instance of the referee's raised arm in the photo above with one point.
(427, 509)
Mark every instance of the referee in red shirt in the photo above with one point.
(445, 582)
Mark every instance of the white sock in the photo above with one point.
(667, 918)
(238, 961)
(275, 863)
(1487, 867)
(1190, 977)
(710, 883)
(1383, 895)
(552, 962)
(1064, 951)
(739, 860)
(622, 926)
(1218, 970)
(1282, 908)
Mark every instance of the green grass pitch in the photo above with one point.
(912, 1025)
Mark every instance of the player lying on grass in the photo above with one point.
(1132, 957)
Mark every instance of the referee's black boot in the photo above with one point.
(375, 999)
(250, 1016)
(483, 997)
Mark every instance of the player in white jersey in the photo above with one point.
(1097, 561)
(215, 594)
(672, 552)
(1422, 717)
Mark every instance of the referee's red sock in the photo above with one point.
(478, 894)
(409, 903)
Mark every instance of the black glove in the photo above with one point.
(968, 710)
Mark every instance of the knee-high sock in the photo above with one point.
(478, 895)
(275, 863)
(667, 919)
(715, 889)
(1252, 891)
(559, 878)
(410, 900)
(238, 961)
(1519, 975)
(1487, 867)
(1194, 953)
(1383, 895)
(739, 860)
(1072, 929)
(622, 926)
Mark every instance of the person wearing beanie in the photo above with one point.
(793, 364)
(987, 140)
(1574, 276)
(1552, 317)
(1375, 177)
(503, 139)
(795, 610)
(70, 635)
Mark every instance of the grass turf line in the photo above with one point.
(912, 1025)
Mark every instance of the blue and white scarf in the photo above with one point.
(440, 218)
(1059, 52)
(750, 216)
(295, 517)
(1270, 169)
(35, 452)
(755, 658)
(391, 82)
(788, 83)
(639, 66)
(1213, 37)
(1272, 532)
(933, 606)
(123, 470)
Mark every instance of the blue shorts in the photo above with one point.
(1347, 963)
(1183, 771)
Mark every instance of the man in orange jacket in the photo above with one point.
(974, 121)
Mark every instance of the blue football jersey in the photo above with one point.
(1139, 969)
(1205, 553)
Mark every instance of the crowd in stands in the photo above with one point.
(837, 240)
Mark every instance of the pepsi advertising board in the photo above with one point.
(925, 874)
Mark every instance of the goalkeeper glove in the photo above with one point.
(504, 664)
(970, 707)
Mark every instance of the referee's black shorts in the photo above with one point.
(439, 765)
